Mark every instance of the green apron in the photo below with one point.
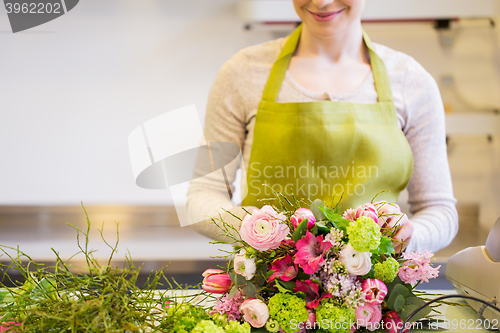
(317, 149)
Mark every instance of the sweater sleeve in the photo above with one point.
(430, 189)
(225, 122)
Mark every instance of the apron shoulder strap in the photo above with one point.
(278, 71)
(382, 84)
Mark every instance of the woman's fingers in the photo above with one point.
(403, 236)
(389, 214)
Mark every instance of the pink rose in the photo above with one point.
(357, 263)
(255, 312)
(375, 291)
(367, 210)
(369, 316)
(216, 281)
(264, 229)
(301, 214)
(393, 324)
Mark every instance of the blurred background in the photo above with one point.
(74, 88)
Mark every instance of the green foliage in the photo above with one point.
(300, 231)
(101, 299)
(404, 302)
(335, 219)
(316, 208)
(386, 247)
(412, 304)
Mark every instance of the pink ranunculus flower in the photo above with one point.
(393, 323)
(369, 316)
(216, 281)
(284, 269)
(310, 252)
(301, 214)
(357, 263)
(367, 210)
(264, 229)
(374, 290)
(255, 312)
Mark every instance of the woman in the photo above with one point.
(325, 110)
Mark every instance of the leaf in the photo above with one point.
(300, 294)
(250, 290)
(269, 273)
(322, 229)
(399, 302)
(412, 304)
(303, 276)
(316, 209)
(232, 292)
(240, 280)
(399, 290)
(280, 288)
(46, 287)
(300, 231)
(290, 285)
(394, 283)
(3, 293)
(386, 247)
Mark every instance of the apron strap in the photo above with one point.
(278, 71)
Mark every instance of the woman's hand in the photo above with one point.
(391, 214)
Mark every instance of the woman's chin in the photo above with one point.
(328, 30)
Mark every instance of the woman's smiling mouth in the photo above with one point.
(325, 16)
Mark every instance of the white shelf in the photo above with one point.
(283, 11)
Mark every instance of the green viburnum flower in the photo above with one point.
(364, 234)
(272, 326)
(186, 316)
(339, 318)
(386, 271)
(287, 309)
(235, 327)
(207, 326)
(219, 319)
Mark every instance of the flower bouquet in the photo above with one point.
(318, 269)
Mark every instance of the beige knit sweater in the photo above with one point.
(230, 117)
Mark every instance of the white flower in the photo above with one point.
(244, 266)
(357, 263)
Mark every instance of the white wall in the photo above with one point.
(74, 88)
